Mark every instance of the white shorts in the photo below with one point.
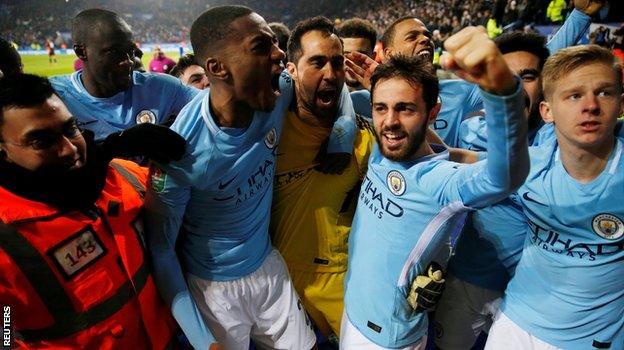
(464, 311)
(352, 339)
(505, 334)
(263, 306)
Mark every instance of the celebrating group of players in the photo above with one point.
(279, 203)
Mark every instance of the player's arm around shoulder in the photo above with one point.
(341, 139)
(475, 58)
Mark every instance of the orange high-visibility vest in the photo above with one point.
(81, 279)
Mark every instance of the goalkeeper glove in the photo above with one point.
(426, 290)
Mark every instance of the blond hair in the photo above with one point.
(569, 59)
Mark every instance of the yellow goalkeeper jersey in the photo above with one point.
(312, 212)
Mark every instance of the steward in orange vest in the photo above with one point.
(73, 267)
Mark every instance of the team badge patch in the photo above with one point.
(608, 226)
(396, 183)
(146, 116)
(77, 252)
(158, 179)
(271, 138)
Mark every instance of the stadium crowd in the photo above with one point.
(312, 187)
(32, 23)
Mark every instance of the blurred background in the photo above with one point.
(36, 26)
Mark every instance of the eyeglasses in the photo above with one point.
(48, 139)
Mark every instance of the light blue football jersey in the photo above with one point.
(208, 214)
(460, 100)
(408, 210)
(568, 289)
(472, 132)
(153, 98)
(362, 103)
(491, 245)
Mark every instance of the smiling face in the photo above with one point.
(411, 38)
(400, 118)
(50, 125)
(253, 62)
(584, 105)
(319, 73)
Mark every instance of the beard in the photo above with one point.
(306, 104)
(66, 189)
(414, 141)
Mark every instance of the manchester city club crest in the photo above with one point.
(608, 226)
(146, 116)
(271, 138)
(396, 183)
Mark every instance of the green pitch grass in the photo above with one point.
(40, 65)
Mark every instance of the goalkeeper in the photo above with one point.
(312, 211)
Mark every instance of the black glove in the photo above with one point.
(426, 290)
(155, 142)
(331, 163)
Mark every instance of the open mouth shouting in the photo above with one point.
(327, 96)
(426, 53)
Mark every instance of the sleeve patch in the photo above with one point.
(158, 179)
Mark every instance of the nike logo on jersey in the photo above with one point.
(525, 195)
(223, 185)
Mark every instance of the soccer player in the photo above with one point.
(225, 281)
(51, 54)
(525, 54)
(312, 212)
(412, 198)
(490, 245)
(357, 35)
(568, 291)
(190, 73)
(460, 100)
(106, 95)
(410, 37)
